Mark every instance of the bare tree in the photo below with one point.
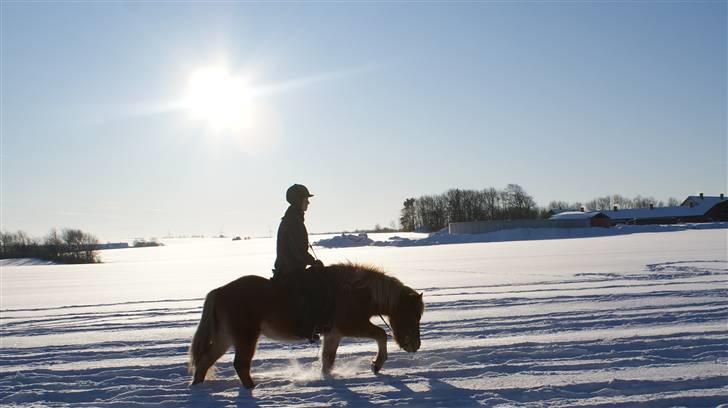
(454, 205)
(408, 215)
(559, 205)
(598, 203)
(71, 246)
(472, 210)
(621, 201)
(643, 202)
(518, 204)
(425, 210)
(490, 202)
(54, 244)
(439, 219)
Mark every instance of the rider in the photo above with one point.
(292, 260)
(292, 245)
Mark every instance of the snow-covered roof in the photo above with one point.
(706, 202)
(576, 215)
(657, 212)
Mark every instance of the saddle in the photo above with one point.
(312, 297)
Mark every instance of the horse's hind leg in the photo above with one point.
(215, 351)
(244, 351)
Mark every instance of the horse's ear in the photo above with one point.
(421, 293)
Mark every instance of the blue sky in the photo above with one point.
(365, 103)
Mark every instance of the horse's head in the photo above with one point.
(406, 320)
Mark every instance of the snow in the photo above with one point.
(636, 316)
(24, 261)
(576, 215)
(514, 234)
(345, 241)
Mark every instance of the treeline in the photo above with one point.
(68, 246)
(434, 212)
(609, 201)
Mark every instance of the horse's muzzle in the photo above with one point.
(411, 347)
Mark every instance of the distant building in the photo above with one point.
(570, 219)
(112, 245)
(591, 218)
(698, 208)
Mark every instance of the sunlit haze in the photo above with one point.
(152, 119)
(223, 101)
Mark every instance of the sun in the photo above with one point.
(220, 99)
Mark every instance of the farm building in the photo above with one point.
(698, 208)
(572, 219)
(694, 209)
(594, 218)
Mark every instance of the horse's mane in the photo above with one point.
(385, 290)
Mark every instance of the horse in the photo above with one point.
(237, 313)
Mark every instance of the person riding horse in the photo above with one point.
(308, 286)
(292, 244)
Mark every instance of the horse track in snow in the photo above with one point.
(656, 337)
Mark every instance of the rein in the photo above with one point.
(385, 323)
(314, 252)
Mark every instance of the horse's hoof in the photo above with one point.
(249, 386)
(375, 369)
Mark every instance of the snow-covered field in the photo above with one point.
(623, 320)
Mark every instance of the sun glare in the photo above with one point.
(220, 99)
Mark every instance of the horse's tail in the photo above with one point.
(204, 336)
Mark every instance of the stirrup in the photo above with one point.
(311, 338)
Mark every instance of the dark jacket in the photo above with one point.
(292, 246)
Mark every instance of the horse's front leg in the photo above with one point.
(381, 338)
(331, 344)
(370, 331)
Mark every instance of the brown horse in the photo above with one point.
(238, 313)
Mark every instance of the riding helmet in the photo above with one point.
(296, 193)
